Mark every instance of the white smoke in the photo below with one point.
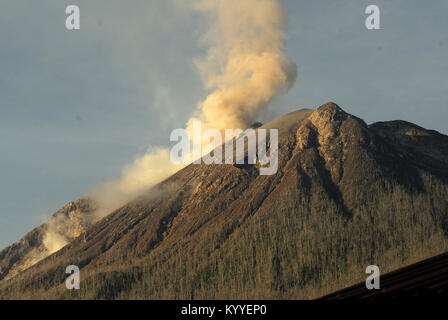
(245, 67)
(143, 173)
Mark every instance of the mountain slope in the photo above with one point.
(346, 195)
(65, 225)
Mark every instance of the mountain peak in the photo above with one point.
(330, 107)
(328, 113)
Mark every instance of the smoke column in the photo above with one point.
(245, 68)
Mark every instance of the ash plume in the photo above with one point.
(245, 68)
(246, 65)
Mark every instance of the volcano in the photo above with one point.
(346, 195)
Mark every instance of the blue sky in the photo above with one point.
(76, 106)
